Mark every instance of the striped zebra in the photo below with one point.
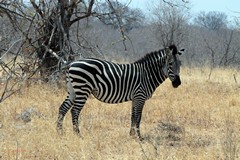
(115, 83)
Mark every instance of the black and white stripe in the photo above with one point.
(115, 83)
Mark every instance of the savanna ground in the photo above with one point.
(199, 120)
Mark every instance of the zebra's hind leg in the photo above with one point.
(66, 105)
(75, 111)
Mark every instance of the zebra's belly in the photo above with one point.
(114, 97)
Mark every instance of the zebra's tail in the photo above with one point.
(62, 63)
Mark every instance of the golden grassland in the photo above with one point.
(199, 120)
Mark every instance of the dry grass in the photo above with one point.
(199, 120)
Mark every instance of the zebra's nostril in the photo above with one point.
(176, 82)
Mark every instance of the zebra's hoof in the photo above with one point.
(78, 135)
(76, 131)
(132, 133)
(141, 138)
(60, 131)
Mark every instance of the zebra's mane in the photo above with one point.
(150, 56)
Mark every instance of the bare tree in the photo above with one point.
(230, 48)
(212, 20)
(42, 27)
(170, 23)
(130, 18)
(47, 26)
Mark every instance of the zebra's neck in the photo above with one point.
(152, 65)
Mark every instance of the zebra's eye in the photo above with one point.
(170, 63)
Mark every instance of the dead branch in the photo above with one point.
(119, 24)
(172, 4)
(225, 58)
(87, 14)
(9, 91)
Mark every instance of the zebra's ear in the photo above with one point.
(173, 48)
(180, 52)
(168, 51)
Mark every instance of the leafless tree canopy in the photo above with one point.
(212, 20)
(42, 27)
(130, 18)
(170, 24)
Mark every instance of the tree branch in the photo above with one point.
(120, 24)
(87, 14)
(38, 10)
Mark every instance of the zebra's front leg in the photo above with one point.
(133, 124)
(136, 118)
(139, 117)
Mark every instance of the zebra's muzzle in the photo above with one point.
(176, 82)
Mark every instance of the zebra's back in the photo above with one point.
(109, 82)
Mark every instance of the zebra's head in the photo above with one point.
(172, 67)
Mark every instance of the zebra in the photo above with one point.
(115, 83)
